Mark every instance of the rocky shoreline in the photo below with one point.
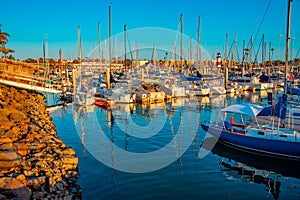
(34, 162)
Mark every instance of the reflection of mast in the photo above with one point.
(256, 176)
(180, 141)
(126, 131)
(110, 123)
(82, 134)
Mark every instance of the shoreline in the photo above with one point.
(35, 163)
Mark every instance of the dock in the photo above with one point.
(27, 76)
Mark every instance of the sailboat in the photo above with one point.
(252, 136)
(84, 92)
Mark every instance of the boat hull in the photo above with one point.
(103, 103)
(268, 147)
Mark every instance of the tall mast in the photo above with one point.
(226, 47)
(250, 54)
(120, 49)
(181, 42)
(263, 51)
(287, 40)
(125, 46)
(79, 45)
(99, 42)
(136, 51)
(109, 37)
(191, 51)
(60, 62)
(154, 55)
(110, 50)
(45, 54)
(199, 58)
(270, 50)
(243, 57)
(234, 48)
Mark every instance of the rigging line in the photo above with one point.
(238, 56)
(261, 22)
(297, 56)
(229, 52)
(256, 55)
(131, 52)
(174, 46)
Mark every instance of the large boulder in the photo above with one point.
(12, 188)
(22, 148)
(16, 116)
(69, 162)
(8, 156)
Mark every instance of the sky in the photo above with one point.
(30, 22)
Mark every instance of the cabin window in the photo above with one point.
(261, 133)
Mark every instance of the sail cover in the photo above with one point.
(278, 110)
(244, 109)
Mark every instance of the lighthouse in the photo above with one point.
(219, 62)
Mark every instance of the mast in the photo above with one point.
(99, 42)
(109, 36)
(234, 48)
(226, 47)
(226, 63)
(60, 62)
(136, 51)
(45, 57)
(287, 39)
(199, 58)
(154, 55)
(243, 58)
(79, 45)
(270, 50)
(263, 51)
(110, 50)
(181, 42)
(120, 50)
(191, 51)
(125, 46)
(114, 49)
(250, 54)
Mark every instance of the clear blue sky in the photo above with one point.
(29, 21)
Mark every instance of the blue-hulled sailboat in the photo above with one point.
(253, 136)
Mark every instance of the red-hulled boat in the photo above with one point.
(101, 102)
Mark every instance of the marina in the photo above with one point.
(200, 166)
(160, 110)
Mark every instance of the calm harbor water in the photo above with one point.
(166, 154)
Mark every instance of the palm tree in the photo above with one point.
(3, 41)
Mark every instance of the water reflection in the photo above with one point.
(200, 177)
(137, 129)
(254, 168)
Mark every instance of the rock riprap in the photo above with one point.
(34, 162)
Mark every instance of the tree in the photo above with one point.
(11, 57)
(3, 41)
